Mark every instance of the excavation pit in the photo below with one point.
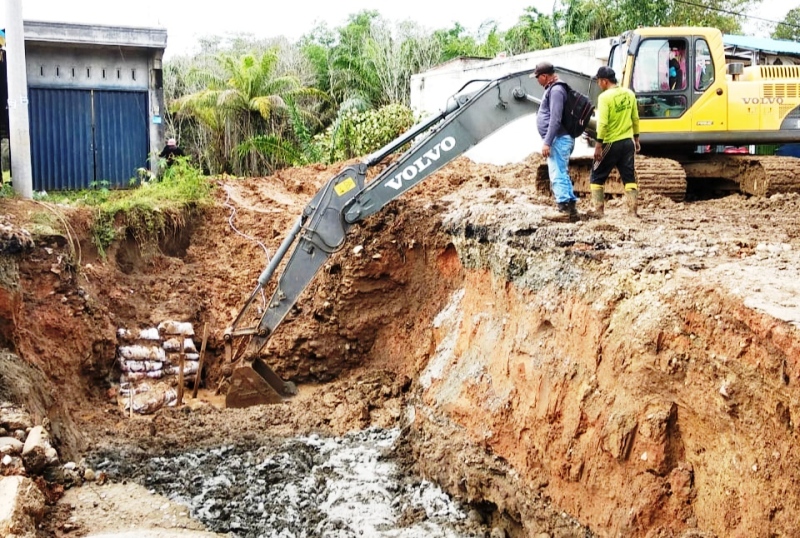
(614, 377)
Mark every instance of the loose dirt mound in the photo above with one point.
(638, 375)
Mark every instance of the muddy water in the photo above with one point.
(340, 487)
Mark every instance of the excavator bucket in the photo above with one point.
(255, 383)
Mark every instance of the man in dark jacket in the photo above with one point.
(171, 151)
(557, 143)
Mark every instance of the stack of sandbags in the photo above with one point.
(150, 364)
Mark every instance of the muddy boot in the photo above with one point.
(632, 201)
(562, 213)
(573, 211)
(598, 202)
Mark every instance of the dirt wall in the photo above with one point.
(649, 400)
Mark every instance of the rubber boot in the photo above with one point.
(598, 201)
(632, 200)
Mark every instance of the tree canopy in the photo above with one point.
(789, 28)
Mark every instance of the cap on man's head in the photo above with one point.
(606, 73)
(543, 68)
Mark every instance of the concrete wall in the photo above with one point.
(431, 90)
(95, 35)
(51, 66)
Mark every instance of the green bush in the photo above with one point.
(356, 133)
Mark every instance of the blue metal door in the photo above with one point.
(61, 139)
(120, 135)
(82, 137)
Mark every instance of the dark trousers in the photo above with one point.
(619, 154)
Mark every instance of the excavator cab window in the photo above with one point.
(659, 78)
(704, 66)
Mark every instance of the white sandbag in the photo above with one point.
(174, 344)
(176, 328)
(141, 366)
(149, 334)
(142, 353)
(149, 401)
(175, 358)
(126, 386)
(137, 376)
(189, 367)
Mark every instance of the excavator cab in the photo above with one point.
(660, 77)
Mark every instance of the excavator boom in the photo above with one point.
(479, 109)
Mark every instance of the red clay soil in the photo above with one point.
(637, 375)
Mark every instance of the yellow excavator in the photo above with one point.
(693, 100)
(690, 98)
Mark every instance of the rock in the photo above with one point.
(13, 418)
(88, 475)
(498, 532)
(55, 474)
(22, 507)
(51, 455)
(10, 445)
(34, 452)
(475, 517)
(13, 465)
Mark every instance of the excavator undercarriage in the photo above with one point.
(749, 174)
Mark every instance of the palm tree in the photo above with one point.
(249, 103)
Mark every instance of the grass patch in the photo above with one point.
(144, 211)
(6, 189)
(45, 223)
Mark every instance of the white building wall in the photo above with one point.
(431, 90)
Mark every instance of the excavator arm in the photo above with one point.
(470, 116)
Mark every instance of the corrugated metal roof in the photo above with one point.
(766, 44)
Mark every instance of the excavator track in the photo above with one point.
(656, 175)
(758, 175)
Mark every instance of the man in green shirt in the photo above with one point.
(617, 140)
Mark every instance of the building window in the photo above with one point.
(104, 72)
(73, 72)
(41, 70)
(119, 73)
(133, 74)
(58, 71)
(88, 72)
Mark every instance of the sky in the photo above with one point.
(187, 20)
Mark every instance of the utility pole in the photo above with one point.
(18, 120)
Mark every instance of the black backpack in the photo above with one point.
(578, 110)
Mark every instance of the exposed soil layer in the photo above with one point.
(615, 377)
